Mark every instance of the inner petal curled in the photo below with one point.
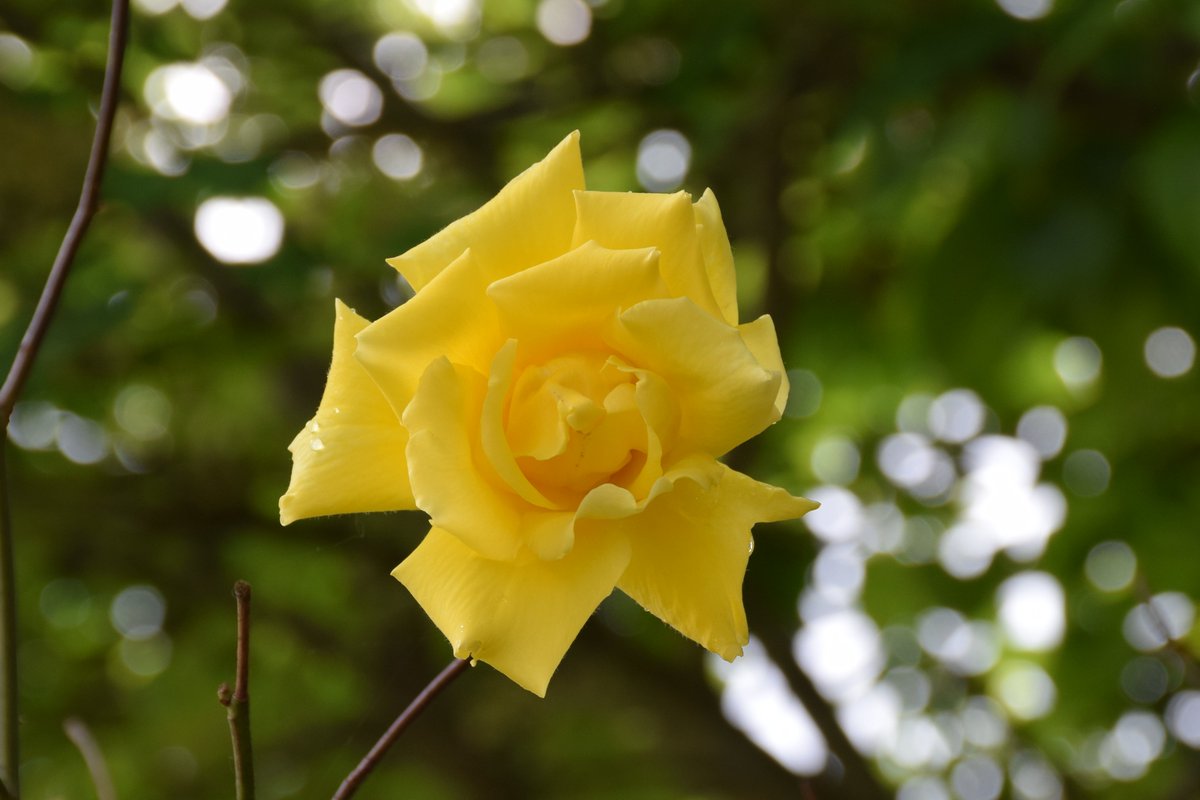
(575, 422)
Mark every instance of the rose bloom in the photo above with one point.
(555, 397)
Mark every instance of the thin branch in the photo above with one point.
(81, 736)
(237, 702)
(14, 381)
(372, 759)
(89, 200)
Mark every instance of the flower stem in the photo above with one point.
(237, 702)
(372, 759)
(14, 381)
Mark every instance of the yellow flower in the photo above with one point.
(555, 397)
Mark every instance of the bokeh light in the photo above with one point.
(1032, 610)
(1111, 566)
(1077, 361)
(756, 699)
(564, 22)
(239, 230)
(1087, 472)
(1183, 718)
(1026, 9)
(138, 612)
(402, 55)
(190, 93)
(956, 416)
(1045, 428)
(203, 9)
(1025, 689)
(977, 778)
(841, 651)
(1170, 352)
(1168, 615)
(835, 459)
(17, 61)
(663, 159)
(398, 156)
(350, 97)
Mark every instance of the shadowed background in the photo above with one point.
(976, 224)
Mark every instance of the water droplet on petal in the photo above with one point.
(314, 427)
(751, 545)
(317, 444)
(337, 410)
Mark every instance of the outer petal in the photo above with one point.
(689, 551)
(718, 256)
(451, 480)
(622, 220)
(568, 299)
(452, 317)
(528, 222)
(725, 395)
(350, 456)
(760, 337)
(520, 616)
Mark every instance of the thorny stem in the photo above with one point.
(237, 703)
(18, 372)
(372, 759)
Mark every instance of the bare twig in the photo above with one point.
(89, 200)
(81, 736)
(237, 702)
(372, 759)
(19, 371)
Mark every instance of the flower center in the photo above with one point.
(574, 423)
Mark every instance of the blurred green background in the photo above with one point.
(976, 224)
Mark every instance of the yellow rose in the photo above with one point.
(555, 397)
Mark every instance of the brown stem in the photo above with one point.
(81, 736)
(19, 371)
(237, 702)
(372, 759)
(89, 201)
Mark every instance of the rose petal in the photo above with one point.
(350, 457)
(449, 474)
(493, 438)
(725, 395)
(518, 616)
(621, 220)
(565, 302)
(760, 337)
(661, 416)
(452, 317)
(690, 546)
(717, 254)
(529, 221)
